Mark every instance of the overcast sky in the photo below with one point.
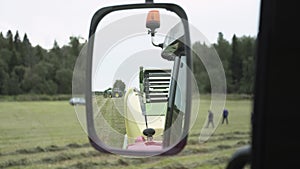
(46, 21)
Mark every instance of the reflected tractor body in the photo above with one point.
(145, 110)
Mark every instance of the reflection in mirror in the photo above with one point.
(153, 21)
(133, 80)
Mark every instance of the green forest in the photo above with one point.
(237, 58)
(27, 69)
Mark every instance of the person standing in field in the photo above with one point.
(225, 116)
(210, 119)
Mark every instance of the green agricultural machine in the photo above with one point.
(115, 92)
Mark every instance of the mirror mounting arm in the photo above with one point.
(156, 45)
(149, 2)
(159, 45)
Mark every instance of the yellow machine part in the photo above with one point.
(135, 120)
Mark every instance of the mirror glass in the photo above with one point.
(132, 81)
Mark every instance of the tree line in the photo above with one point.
(27, 69)
(237, 58)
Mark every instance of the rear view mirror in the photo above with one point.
(153, 21)
(138, 103)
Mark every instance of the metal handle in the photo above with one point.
(240, 158)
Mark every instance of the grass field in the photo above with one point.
(48, 135)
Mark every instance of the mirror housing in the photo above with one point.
(171, 149)
(153, 21)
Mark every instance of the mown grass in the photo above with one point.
(30, 124)
(48, 135)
